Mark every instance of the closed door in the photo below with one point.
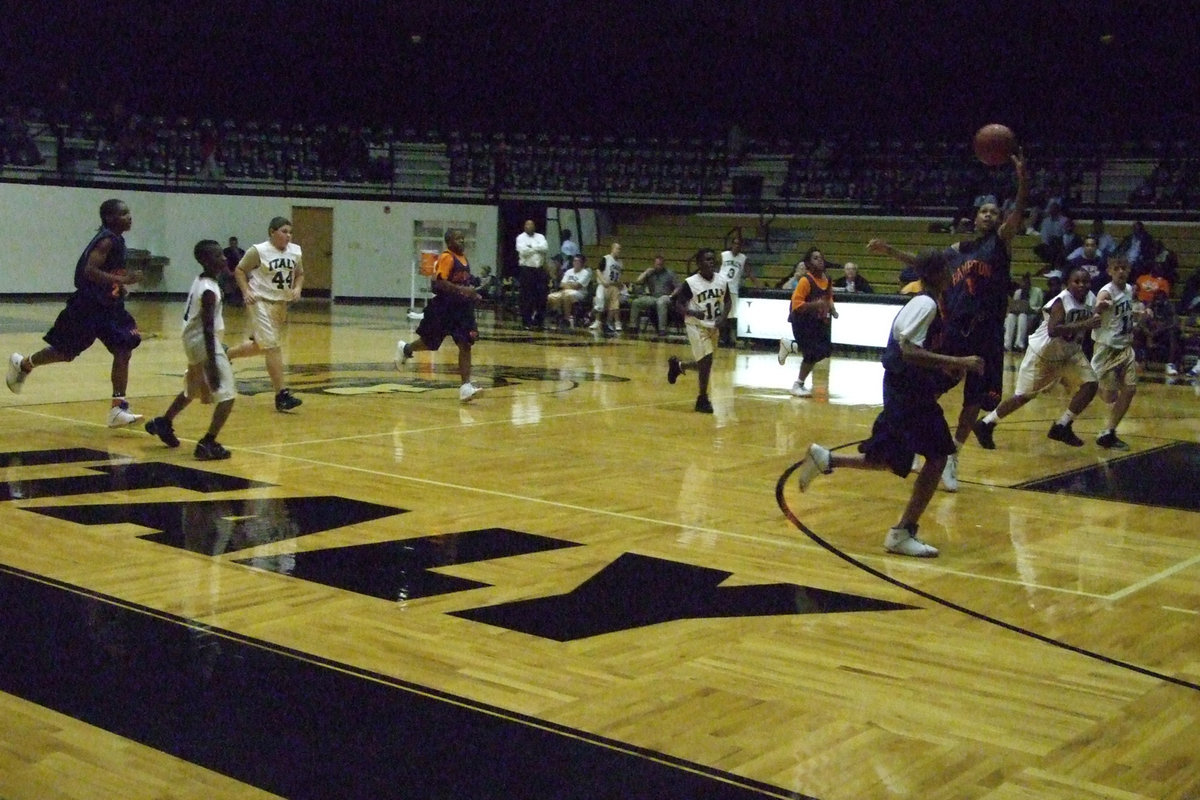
(312, 228)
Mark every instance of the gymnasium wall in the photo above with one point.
(45, 229)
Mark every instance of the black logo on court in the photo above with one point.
(632, 591)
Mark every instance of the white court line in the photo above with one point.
(788, 543)
(1181, 610)
(1155, 578)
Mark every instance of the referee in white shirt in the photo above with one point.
(531, 256)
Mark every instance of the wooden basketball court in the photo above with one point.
(576, 586)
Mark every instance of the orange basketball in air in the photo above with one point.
(994, 144)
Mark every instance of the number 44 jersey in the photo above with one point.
(275, 274)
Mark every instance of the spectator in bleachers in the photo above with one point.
(1089, 258)
(1024, 307)
(572, 289)
(1169, 261)
(1158, 334)
(1105, 243)
(1053, 227)
(788, 284)
(1071, 241)
(1153, 283)
(485, 284)
(568, 246)
(851, 281)
(1189, 298)
(1138, 247)
(660, 284)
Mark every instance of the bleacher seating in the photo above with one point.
(840, 238)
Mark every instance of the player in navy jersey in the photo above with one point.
(915, 374)
(974, 306)
(450, 312)
(95, 311)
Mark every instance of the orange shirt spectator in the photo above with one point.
(1148, 287)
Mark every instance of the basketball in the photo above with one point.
(994, 144)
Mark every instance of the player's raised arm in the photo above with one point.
(880, 247)
(1016, 218)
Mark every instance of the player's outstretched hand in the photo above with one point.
(877, 246)
(1018, 160)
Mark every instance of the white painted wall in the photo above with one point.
(45, 229)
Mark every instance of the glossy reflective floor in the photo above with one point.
(577, 587)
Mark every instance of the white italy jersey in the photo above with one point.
(708, 299)
(732, 269)
(193, 318)
(1059, 348)
(1116, 323)
(611, 269)
(274, 276)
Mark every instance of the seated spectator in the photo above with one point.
(910, 283)
(1158, 334)
(1148, 286)
(1090, 258)
(486, 285)
(1024, 310)
(1054, 226)
(851, 281)
(1138, 247)
(1071, 241)
(1189, 298)
(660, 283)
(572, 289)
(1169, 260)
(789, 283)
(1105, 243)
(567, 246)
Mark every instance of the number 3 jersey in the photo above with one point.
(275, 274)
(708, 299)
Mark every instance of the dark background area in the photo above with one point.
(648, 68)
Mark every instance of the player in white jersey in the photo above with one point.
(1113, 359)
(733, 269)
(209, 375)
(1054, 354)
(271, 275)
(703, 302)
(607, 304)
